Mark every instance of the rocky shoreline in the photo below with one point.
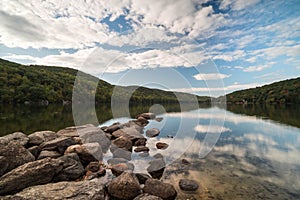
(72, 164)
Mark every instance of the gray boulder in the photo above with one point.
(59, 144)
(156, 168)
(19, 137)
(153, 132)
(73, 130)
(157, 188)
(39, 137)
(50, 154)
(123, 143)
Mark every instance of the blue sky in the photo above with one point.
(203, 47)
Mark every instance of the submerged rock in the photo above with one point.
(141, 149)
(125, 186)
(156, 168)
(153, 132)
(157, 188)
(188, 185)
(162, 145)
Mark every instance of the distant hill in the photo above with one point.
(282, 92)
(37, 83)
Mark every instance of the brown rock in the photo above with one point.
(156, 168)
(39, 137)
(118, 169)
(141, 148)
(73, 130)
(157, 188)
(60, 144)
(162, 145)
(188, 185)
(50, 154)
(146, 196)
(34, 150)
(140, 142)
(123, 143)
(147, 115)
(153, 132)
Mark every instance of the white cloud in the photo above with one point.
(212, 76)
(237, 4)
(211, 129)
(256, 68)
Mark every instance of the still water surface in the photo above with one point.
(257, 155)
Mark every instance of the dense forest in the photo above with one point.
(45, 84)
(283, 92)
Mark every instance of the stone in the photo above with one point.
(118, 169)
(140, 142)
(185, 162)
(146, 196)
(114, 161)
(34, 150)
(112, 128)
(188, 185)
(73, 130)
(156, 168)
(19, 137)
(119, 133)
(93, 166)
(59, 144)
(121, 153)
(72, 168)
(77, 140)
(3, 165)
(125, 186)
(157, 188)
(162, 145)
(81, 190)
(144, 154)
(158, 155)
(141, 149)
(158, 119)
(123, 143)
(142, 177)
(15, 155)
(39, 137)
(147, 115)
(141, 121)
(153, 132)
(92, 175)
(50, 154)
(30, 174)
(87, 153)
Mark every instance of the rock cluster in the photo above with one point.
(70, 164)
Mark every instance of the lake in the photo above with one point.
(252, 152)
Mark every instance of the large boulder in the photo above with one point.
(3, 165)
(73, 130)
(30, 174)
(157, 188)
(146, 196)
(14, 155)
(72, 168)
(125, 186)
(59, 144)
(153, 132)
(19, 137)
(188, 185)
(39, 137)
(82, 190)
(156, 168)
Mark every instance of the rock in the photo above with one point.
(72, 168)
(147, 115)
(77, 140)
(114, 161)
(123, 143)
(141, 121)
(82, 190)
(142, 177)
(34, 150)
(125, 186)
(39, 137)
(50, 154)
(19, 137)
(188, 185)
(141, 148)
(170, 136)
(118, 169)
(73, 130)
(87, 153)
(121, 153)
(156, 168)
(140, 142)
(60, 144)
(93, 166)
(158, 155)
(30, 174)
(91, 175)
(158, 119)
(146, 196)
(157, 188)
(112, 128)
(144, 154)
(185, 162)
(15, 155)
(153, 132)
(3, 165)
(119, 133)
(162, 145)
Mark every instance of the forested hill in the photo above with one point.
(32, 83)
(284, 92)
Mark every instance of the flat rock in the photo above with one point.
(73, 130)
(157, 188)
(59, 144)
(156, 168)
(82, 190)
(141, 149)
(19, 137)
(188, 185)
(121, 153)
(146, 196)
(125, 186)
(153, 132)
(147, 115)
(30, 174)
(15, 155)
(113, 128)
(39, 137)
(34, 150)
(161, 145)
(118, 169)
(114, 161)
(50, 154)
(123, 143)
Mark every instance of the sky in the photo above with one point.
(205, 47)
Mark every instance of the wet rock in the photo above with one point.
(3, 165)
(87, 152)
(58, 144)
(30, 174)
(153, 132)
(146, 196)
(140, 142)
(82, 190)
(50, 154)
(121, 153)
(15, 155)
(72, 168)
(147, 115)
(142, 177)
(18, 137)
(141, 149)
(112, 128)
(73, 130)
(162, 145)
(125, 186)
(92, 175)
(156, 168)
(114, 161)
(123, 143)
(157, 188)
(39, 137)
(118, 169)
(188, 185)
(34, 150)
(141, 121)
